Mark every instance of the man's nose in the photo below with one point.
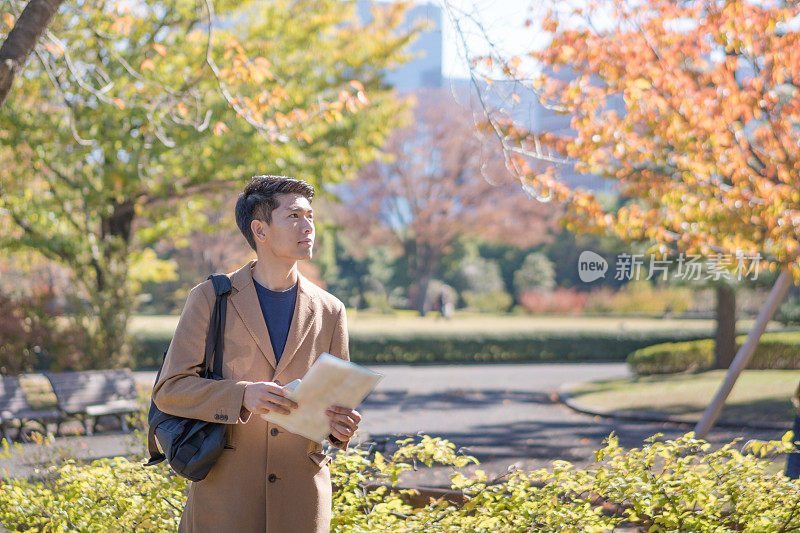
(309, 227)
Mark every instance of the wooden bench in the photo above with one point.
(15, 411)
(90, 394)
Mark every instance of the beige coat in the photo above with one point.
(267, 479)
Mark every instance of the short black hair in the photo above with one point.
(259, 199)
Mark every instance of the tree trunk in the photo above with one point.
(109, 295)
(422, 295)
(22, 38)
(113, 346)
(725, 347)
(426, 259)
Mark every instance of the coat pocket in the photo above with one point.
(319, 458)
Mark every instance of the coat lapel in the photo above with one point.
(302, 320)
(245, 300)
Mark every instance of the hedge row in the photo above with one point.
(674, 485)
(778, 351)
(446, 347)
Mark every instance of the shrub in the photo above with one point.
(640, 298)
(107, 495)
(778, 351)
(559, 301)
(471, 347)
(487, 302)
(478, 275)
(536, 273)
(377, 301)
(789, 312)
(674, 485)
(33, 336)
(673, 357)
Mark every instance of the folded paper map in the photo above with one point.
(329, 381)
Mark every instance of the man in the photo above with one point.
(278, 323)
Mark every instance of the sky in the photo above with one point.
(504, 23)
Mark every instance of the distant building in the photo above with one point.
(425, 69)
(527, 111)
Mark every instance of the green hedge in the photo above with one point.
(427, 347)
(778, 351)
(690, 489)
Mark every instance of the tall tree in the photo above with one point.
(134, 117)
(705, 143)
(440, 182)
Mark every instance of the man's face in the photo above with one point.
(290, 235)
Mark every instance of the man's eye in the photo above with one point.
(293, 215)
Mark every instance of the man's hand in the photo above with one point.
(262, 397)
(343, 421)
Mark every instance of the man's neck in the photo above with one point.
(275, 275)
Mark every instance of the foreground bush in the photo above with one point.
(776, 351)
(676, 485)
(107, 495)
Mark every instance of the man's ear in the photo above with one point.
(257, 227)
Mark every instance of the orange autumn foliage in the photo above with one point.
(706, 142)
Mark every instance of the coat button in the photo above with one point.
(273, 432)
(272, 478)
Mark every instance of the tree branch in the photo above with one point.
(22, 39)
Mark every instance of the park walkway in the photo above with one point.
(503, 414)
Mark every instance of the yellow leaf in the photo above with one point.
(300, 115)
(148, 64)
(160, 49)
(281, 119)
(304, 136)
(8, 18)
(355, 84)
(182, 109)
(262, 63)
(119, 103)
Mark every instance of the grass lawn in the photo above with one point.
(759, 395)
(370, 322)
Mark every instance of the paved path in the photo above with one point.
(503, 414)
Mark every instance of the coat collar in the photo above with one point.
(245, 300)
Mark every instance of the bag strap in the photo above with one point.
(214, 346)
(216, 326)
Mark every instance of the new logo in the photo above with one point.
(591, 266)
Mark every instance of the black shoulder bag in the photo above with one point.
(191, 447)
